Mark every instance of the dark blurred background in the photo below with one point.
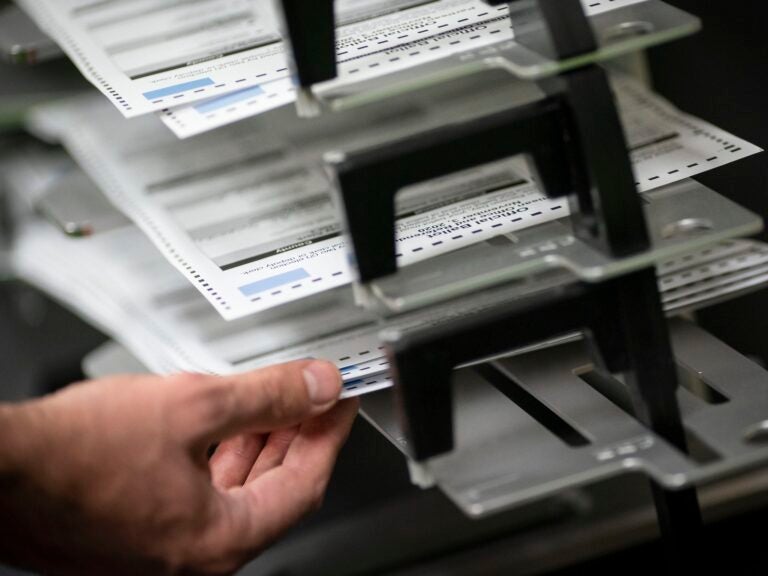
(720, 75)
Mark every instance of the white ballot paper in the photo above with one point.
(248, 217)
(151, 55)
(121, 284)
(145, 55)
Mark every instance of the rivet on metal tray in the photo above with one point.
(687, 227)
(757, 434)
(626, 29)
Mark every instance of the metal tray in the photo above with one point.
(682, 218)
(505, 457)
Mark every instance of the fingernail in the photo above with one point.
(323, 382)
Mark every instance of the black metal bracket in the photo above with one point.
(368, 181)
(624, 323)
(588, 148)
(622, 318)
(578, 148)
(310, 26)
(574, 138)
(619, 317)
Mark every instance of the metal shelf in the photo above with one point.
(682, 218)
(619, 32)
(505, 458)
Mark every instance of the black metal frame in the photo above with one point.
(311, 28)
(369, 181)
(576, 141)
(623, 321)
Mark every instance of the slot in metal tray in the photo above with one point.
(505, 458)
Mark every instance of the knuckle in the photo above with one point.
(203, 401)
(313, 491)
(282, 439)
(281, 394)
(220, 402)
(272, 387)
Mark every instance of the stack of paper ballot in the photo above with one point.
(206, 63)
(232, 254)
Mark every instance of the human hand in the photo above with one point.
(113, 477)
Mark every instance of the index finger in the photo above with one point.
(272, 503)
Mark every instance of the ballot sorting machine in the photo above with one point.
(563, 319)
(546, 359)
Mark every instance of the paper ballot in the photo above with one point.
(411, 38)
(246, 213)
(151, 55)
(146, 55)
(120, 283)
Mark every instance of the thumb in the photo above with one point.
(265, 400)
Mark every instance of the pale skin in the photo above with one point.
(113, 477)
